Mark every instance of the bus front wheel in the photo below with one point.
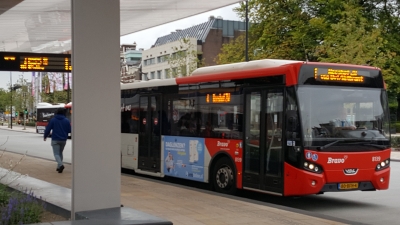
(224, 177)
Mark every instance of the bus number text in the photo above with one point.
(238, 159)
(376, 158)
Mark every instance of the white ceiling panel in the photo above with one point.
(45, 25)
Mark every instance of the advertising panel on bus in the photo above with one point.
(184, 157)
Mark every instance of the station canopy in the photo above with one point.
(45, 25)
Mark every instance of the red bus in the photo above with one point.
(268, 126)
(44, 113)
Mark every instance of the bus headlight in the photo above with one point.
(312, 167)
(382, 165)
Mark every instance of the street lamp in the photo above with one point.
(25, 109)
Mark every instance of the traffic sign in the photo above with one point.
(16, 113)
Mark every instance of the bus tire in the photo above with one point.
(223, 176)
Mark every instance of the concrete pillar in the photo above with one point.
(96, 180)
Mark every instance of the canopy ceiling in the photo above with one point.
(45, 25)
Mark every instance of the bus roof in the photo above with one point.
(233, 71)
(150, 83)
(243, 66)
(46, 105)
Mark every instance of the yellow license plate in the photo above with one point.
(345, 186)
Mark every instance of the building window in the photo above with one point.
(161, 59)
(158, 74)
(166, 73)
(152, 75)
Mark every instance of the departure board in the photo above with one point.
(41, 62)
(339, 75)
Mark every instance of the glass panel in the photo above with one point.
(274, 121)
(143, 138)
(252, 151)
(344, 114)
(129, 113)
(154, 126)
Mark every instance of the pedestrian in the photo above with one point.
(60, 127)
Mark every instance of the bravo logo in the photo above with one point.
(222, 144)
(337, 160)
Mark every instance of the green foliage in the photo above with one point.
(4, 195)
(395, 142)
(227, 52)
(397, 125)
(22, 208)
(56, 96)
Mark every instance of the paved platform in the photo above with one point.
(180, 205)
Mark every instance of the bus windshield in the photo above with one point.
(339, 117)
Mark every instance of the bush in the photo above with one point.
(397, 125)
(395, 141)
(21, 208)
(30, 124)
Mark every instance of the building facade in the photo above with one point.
(196, 46)
(130, 62)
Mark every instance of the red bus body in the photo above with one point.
(272, 119)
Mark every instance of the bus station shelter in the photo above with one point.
(91, 29)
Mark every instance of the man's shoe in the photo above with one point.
(57, 169)
(61, 169)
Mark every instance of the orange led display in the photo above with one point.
(338, 75)
(44, 62)
(218, 98)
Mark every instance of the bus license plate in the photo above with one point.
(346, 186)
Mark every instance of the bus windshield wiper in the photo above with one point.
(352, 143)
(327, 145)
(369, 143)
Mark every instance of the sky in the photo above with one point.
(144, 39)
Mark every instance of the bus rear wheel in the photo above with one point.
(224, 177)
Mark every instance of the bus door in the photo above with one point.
(263, 155)
(149, 135)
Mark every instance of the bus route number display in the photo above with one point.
(218, 98)
(338, 75)
(41, 62)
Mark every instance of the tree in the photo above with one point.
(4, 100)
(233, 52)
(389, 20)
(184, 59)
(353, 40)
(55, 96)
(279, 29)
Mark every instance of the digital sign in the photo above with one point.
(339, 75)
(40, 62)
(218, 98)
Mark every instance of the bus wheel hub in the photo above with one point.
(224, 177)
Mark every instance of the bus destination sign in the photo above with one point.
(218, 98)
(339, 75)
(41, 62)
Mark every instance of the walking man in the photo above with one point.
(60, 127)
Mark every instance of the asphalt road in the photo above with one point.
(377, 207)
(31, 144)
(372, 207)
